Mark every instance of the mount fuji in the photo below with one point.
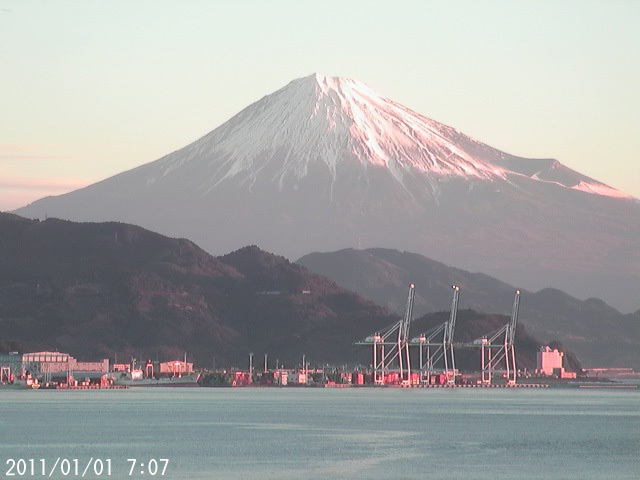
(327, 163)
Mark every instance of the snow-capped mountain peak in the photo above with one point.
(329, 120)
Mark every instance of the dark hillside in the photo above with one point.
(101, 290)
(98, 290)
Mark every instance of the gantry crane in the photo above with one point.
(432, 350)
(391, 347)
(499, 347)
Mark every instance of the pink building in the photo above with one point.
(176, 367)
(548, 360)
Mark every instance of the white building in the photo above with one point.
(549, 360)
(57, 362)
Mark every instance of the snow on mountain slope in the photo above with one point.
(600, 189)
(326, 163)
(333, 120)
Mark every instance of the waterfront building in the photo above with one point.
(548, 360)
(58, 362)
(176, 368)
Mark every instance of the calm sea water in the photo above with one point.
(255, 434)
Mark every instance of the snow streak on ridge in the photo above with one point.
(329, 120)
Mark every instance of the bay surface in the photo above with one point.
(365, 433)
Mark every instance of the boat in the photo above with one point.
(134, 379)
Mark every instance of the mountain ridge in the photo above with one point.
(104, 288)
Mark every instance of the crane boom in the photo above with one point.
(408, 313)
(451, 324)
(514, 318)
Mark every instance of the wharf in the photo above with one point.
(501, 385)
(91, 387)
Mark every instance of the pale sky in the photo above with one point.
(89, 89)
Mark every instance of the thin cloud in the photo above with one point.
(19, 153)
(21, 146)
(17, 192)
(18, 148)
(33, 157)
(49, 184)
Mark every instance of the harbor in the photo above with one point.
(393, 352)
(46, 371)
